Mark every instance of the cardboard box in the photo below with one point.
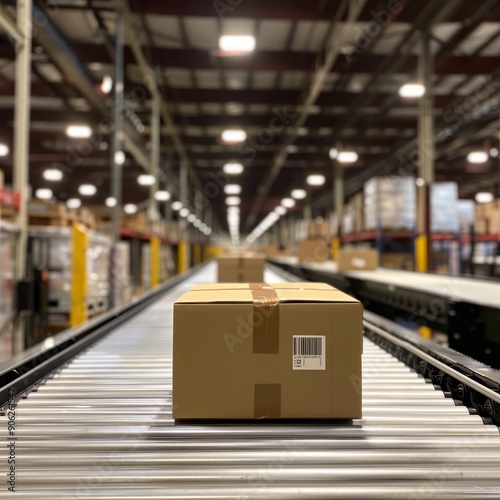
(238, 352)
(396, 260)
(243, 268)
(357, 259)
(319, 228)
(311, 251)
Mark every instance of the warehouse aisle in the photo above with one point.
(102, 428)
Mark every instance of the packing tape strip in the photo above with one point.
(266, 319)
(267, 401)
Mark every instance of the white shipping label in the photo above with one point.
(309, 352)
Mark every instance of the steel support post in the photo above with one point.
(21, 150)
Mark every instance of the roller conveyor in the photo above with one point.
(101, 427)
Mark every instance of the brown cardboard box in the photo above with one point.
(396, 260)
(357, 259)
(488, 218)
(243, 268)
(237, 352)
(319, 228)
(310, 251)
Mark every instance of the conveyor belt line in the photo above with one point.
(101, 427)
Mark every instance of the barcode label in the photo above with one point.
(309, 352)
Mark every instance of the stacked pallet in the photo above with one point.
(44, 214)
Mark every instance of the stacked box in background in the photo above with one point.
(319, 228)
(466, 215)
(357, 259)
(390, 204)
(354, 217)
(291, 350)
(52, 249)
(445, 207)
(488, 218)
(98, 261)
(241, 268)
(312, 251)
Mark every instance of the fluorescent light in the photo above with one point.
(232, 189)
(191, 218)
(494, 152)
(299, 194)
(292, 149)
(183, 212)
(120, 157)
(230, 43)
(176, 206)
(347, 157)
(4, 150)
(207, 231)
(197, 223)
(412, 90)
(44, 194)
(316, 180)
(146, 180)
(233, 201)
(107, 84)
(79, 131)
(162, 196)
(288, 202)
(130, 209)
(234, 136)
(87, 190)
(420, 182)
(280, 210)
(111, 202)
(233, 210)
(484, 197)
(52, 174)
(333, 154)
(74, 203)
(477, 157)
(233, 168)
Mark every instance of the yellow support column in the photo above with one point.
(197, 254)
(155, 261)
(421, 257)
(335, 248)
(182, 258)
(79, 312)
(425, 332)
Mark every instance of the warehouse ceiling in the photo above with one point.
(292, 114)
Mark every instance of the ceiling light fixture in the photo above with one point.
(347, 157)
(162, 196)
(52, 174)
(484, 197)
(233, 168)
(232, 189)
(232, 43)
(299, 194)
(477, 157)
(79, 131)
(146, 180)
(111, 202)
(130, 209)
(234, 136)
(315, 180)
(44, 194)
(412, 90)
(87, 190)
(74, 203)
